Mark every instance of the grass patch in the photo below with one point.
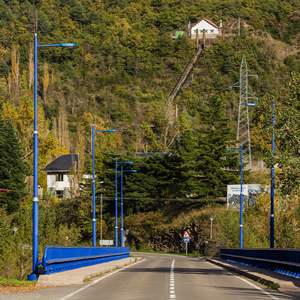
(272, 285)
(15, 282)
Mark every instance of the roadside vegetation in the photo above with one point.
(119, 76)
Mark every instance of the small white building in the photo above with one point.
(59, 181)
(211, 29)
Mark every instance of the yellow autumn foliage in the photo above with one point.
(22, 117)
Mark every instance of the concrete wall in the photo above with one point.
(54, 185)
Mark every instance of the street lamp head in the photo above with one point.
(211, 219)
(70, 45)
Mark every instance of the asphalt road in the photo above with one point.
(161, 277)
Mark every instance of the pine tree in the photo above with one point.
(207, 168)
(13, 169)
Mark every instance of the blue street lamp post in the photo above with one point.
(272, 180)
(94, 182)
(123, 171)
(116, 197)
(241, 196)
(272, 186)
(35, 214)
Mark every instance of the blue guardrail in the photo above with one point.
(283, 261)
(60, 258)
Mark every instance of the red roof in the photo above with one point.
(208, 21)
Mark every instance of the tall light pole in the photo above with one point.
(94, 182)
(116, 197)
(272, 185)
(241, 196)
(123, 171)
(35, 212)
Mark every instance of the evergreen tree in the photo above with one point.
(207, 167)
(13, 169)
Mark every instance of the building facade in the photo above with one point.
(211, 29)
(61, 179)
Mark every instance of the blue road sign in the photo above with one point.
(186, 239)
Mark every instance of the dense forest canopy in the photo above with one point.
(126, 63)
(119, 76)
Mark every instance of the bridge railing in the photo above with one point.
(284, 261)
(63, 258)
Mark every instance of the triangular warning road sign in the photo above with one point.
(186, 234)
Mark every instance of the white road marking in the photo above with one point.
(97, 280)
(172, 281)
(255, 286)
(250, 283)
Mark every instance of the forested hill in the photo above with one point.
(126, 63)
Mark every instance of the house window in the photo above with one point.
(206, 31)
(59, 177)
(211, 30)
(201, 30)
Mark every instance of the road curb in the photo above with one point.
(272, 284)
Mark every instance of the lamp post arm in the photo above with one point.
(108, 130)
(58, 45)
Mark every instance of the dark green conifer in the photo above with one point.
(13, 169)
(207, 168)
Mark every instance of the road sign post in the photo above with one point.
(186, 239)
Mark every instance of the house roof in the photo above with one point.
(208, 21)
(62, 164)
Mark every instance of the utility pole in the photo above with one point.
(101, 219)
(239, 22)
(243, 129)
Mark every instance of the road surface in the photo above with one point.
(161, 277)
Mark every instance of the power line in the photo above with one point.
(166, 199)
(14, 191)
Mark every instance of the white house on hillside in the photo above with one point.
(59, 181)
(211, 29)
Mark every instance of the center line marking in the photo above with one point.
(172, 282)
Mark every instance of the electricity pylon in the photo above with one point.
(243, 129)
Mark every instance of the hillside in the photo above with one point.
(119, 76)
(126, 63)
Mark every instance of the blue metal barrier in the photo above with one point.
(284, 261)
(59, 258)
